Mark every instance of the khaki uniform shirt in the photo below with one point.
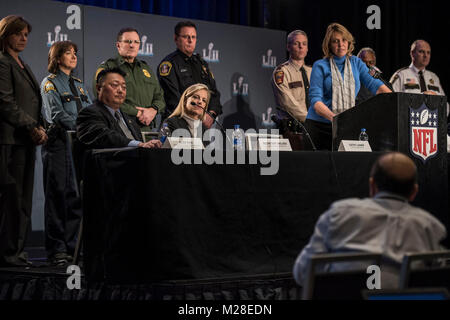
(408, 80)
(289, 89)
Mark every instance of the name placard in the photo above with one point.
(183, 143)
(354, 146)
(274, 144)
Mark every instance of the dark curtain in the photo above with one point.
(247, 12)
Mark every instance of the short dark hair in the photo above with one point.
(123, 30)
(102, 74)
(56, 52)
(10, 25)
(183, 24)
(390, 180)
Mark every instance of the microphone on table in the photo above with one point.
(214, 118)
(301, 126)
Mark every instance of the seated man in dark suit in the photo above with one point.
(103, 124)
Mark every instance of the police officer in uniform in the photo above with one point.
(290, 83)
(63, 97)
(145, 98)
(415, 78)
(183, 68)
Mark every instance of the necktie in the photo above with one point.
(75, 93)
(123, 126)
(423, 87)
(306, 85)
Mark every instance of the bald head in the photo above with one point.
(420, 54)
(396, 173)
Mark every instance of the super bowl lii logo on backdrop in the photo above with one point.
(73, 22)
(240, 88)
(146, 47)
(423, 132)
(211, 55)
(269, 61)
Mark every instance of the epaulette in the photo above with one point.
(170, 56)
(79, 80)
(404, 68)
(51, 76)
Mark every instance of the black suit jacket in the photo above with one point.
(20, 101)
(97, 128)
(179, 123)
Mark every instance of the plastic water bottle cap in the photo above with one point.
(363, 130)
(165, 125)
(236, 126)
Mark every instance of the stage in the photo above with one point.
(222, 232)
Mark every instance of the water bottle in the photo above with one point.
(164, 133)
(237, 138)
(363, 136)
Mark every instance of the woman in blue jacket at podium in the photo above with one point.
(335, 82)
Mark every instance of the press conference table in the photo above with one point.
(147, 219)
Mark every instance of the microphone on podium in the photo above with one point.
(376, 73)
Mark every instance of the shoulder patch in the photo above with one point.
(146, 73)
(97, 72)
(82, 91)
(48, 86)
(279, 77)
(164, 68)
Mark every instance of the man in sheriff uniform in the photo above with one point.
(145, 98)
(290, 80)
(415, 78)
(183, 68)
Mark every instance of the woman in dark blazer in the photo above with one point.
(191, 109)
(20, 131)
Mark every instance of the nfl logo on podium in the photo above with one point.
(423, 138)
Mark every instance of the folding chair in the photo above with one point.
(338, 285)
(426, 269)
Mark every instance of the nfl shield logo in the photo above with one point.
(423, 133)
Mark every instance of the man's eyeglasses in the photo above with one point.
(131, 41)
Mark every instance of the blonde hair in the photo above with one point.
(189, 92)
(332, 28)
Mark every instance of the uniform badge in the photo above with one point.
(279, 77)
(146, 73)
(423, 132)
(164, 68)
(81, 90)
(48, 86)
(431, 81)
(98, 71)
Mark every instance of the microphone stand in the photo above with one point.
(377, 75)
(215, 120)
(301, 126)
